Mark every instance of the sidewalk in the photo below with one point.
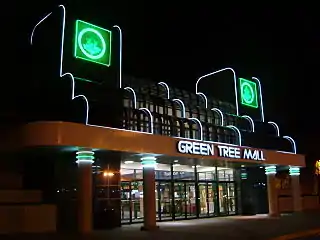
(237, 227)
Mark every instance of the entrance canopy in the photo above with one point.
(65, 134)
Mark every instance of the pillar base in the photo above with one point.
(151, 228)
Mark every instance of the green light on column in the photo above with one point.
(294, 171)
(92, 43)
(248, 93)
(270, 170)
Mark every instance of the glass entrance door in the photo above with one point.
(164, 200)
(185, 200)
(126, 211)
(179, 200)
(137, 201)
(227, 198)
(207, 199)
(191, 205)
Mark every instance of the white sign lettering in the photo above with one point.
(195, 148)
(200, 148)
(253, 154)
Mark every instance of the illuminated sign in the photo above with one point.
(209, 149)
(92, 43)
(248, 93)
(195, 148)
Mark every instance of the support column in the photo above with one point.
(149, 195)
(294, 173)
(84, 191)
(272, 191)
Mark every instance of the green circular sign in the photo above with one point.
(247, 93)
(92, 43)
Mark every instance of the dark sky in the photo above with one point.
(180, 42)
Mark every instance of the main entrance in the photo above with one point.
(179, 199)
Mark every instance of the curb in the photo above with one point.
(307, 233)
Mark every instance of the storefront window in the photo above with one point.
(206, 173)
(225, 174)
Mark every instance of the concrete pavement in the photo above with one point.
(236, 227)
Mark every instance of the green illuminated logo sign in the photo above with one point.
(92, 43)
(248, 93)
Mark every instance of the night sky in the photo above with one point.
(178, 43)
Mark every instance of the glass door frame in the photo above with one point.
(171, 192)
(185, 182)
(235, 198)
(130, 203)
(215, 198)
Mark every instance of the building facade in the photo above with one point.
(145, 152)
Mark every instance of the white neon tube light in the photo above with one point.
(32, 33)
(146, 110)
(61, 74)
(234, 128)
(134, 96)
(204, 97)
(183, 108)
(73, 96)
(250, 121)
(261, 100)
(120, 53)
(276, 127)
(293, 143)
(196, 120)
(217, 110)
(234, 80)
(163, 84)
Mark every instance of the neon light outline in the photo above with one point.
(134, 96)
(196, 120)
(293, 143)
(183, 108)
(217, 110)
(234, 128)
(34, 28)
(204, 97)
(234, 79)
(261, 101)
(163, 84)
(146, 110)
(91, 125)
(120, 55)
(273, 124)
(251, 122)
(73, 96)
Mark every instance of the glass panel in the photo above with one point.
(191, 207)
(179, 200)
(212, 199)
(223, 198)
(231, 198)
(225, 174)
(183, 172)
(164, 203)
(125, 202)
(203, 195)
(137, 200)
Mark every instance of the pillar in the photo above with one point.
(272, 191)
(84, 191)
(149, 196)
(294, 173)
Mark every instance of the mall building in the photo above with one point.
(103, 154)
(149, 153)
